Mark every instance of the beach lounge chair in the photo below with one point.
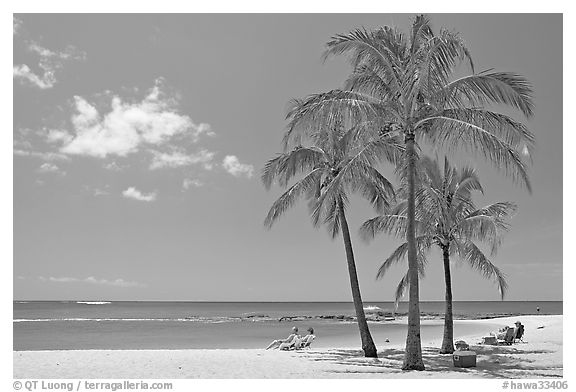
(295, 342)
(508, 338)
(306, 342)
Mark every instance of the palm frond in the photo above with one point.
(329, 111)
(373, 186)
(476, 259)
(453, 132)
(401, 289)
(435, 62)
(404, 283)
(468, 182)
(486, 224)
(394, 225)
(485, 88)
(423, 244)
(289, 197)
(378, 49)
(285, 166)
(421, 32)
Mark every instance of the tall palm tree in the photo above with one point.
(336, 163)
(410, 84)
(447, 218)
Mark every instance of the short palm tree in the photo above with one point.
(411, 84)
(446, 217)
(336, 164)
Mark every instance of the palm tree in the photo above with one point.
(408, 84)
(446, 217)
(336, 164)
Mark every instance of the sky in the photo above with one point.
(138, 143)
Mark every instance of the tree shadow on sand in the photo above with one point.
(492, 362)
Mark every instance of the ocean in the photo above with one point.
(84, 325)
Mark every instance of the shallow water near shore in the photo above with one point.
(43, 325)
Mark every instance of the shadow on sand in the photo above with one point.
(492, 362)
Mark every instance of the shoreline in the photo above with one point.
(540, 356)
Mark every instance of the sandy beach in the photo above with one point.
(540, 355)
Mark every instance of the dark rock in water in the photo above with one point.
(253, 315)
(336, 317)
(294, 318)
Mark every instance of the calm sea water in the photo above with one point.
(47, 325)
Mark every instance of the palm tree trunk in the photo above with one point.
(413, 354)
(367, 342)
(448, 339)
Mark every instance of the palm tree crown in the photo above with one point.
(338, 162)
(446, 217)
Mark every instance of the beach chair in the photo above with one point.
(508, 338)
(295, 342)
(305, 343)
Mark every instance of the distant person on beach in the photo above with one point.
(537, 309)
(289, 339)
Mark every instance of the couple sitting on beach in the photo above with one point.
(507, 335)
(507, 332)
(294, 341)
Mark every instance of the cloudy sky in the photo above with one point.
(139, 141)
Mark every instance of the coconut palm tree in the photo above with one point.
(411, 84)
(447, 218)
(334, 165)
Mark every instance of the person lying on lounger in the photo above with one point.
(290, 339)
(308, 339)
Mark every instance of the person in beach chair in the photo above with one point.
(307, 340)
(298, 342)
(508, 338)
(518, 331)
(290, 339)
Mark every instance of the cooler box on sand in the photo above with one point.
(464, 358)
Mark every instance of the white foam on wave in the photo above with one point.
(371, 308)
(202, 320)
(93, 302)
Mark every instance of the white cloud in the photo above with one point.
(47, 156)
(57, 136)
(233, 166)
(133, 193)
(23, 73)
(178, 159)
(128, 126)
(50, 168)
(100, 192)
(113, 166)
(191, 182)
(92, 280)
(49, 62)
(16, 25)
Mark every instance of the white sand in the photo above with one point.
(540, 356)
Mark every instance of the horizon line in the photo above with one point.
(207, 301)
